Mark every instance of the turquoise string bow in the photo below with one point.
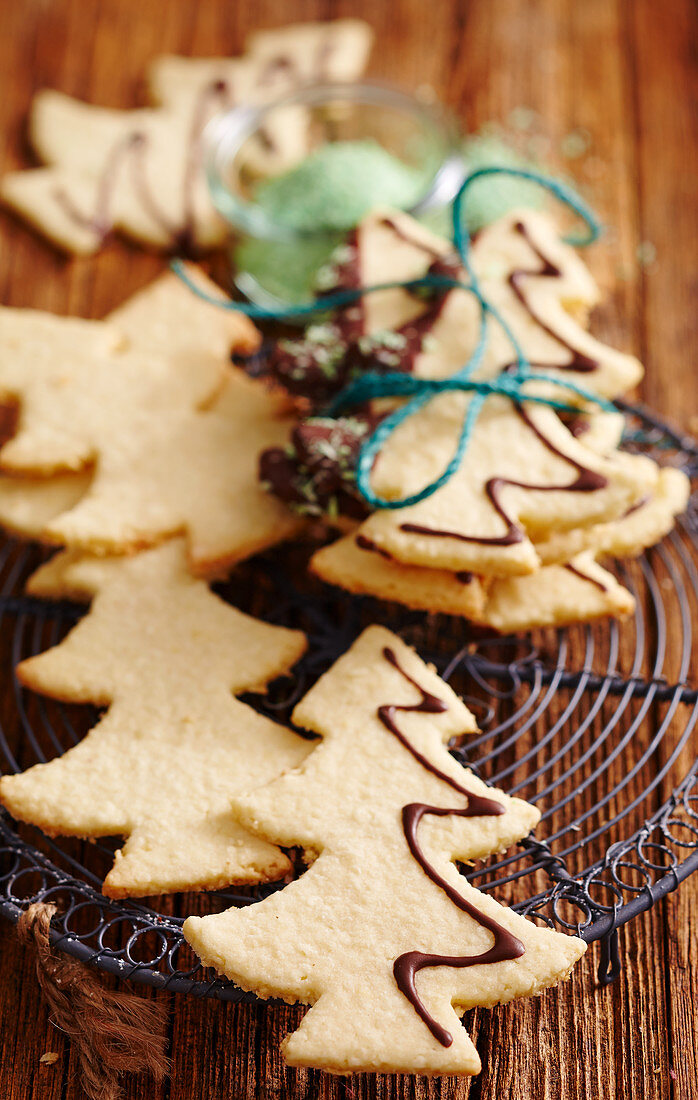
(420, 390)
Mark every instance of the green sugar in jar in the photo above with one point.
(293, 177)
(335, 186)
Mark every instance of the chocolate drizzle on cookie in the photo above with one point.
(576, 423)
(282, 67)
(415, 331)
(129, 155)
(587, 481)
(364, 543)
(319, 369)
(579, 362)
(637, 505)
(328, 356)
(505, 945)
(368, 544)
(585, 576)
(286, 65)
(465, 576)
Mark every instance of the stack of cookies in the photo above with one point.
(136, 446)
(512, 539)
(137, 428)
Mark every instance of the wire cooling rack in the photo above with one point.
(593, 724)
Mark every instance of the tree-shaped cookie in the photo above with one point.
(575, 591)
(523, 476)
(28, 504)
(382, 935)
(545, 292)
(538, 283)
(75, 378)
(132, 399)
(196, 473)
(357, 565)
(626, 537)
(142, 171)
(166, 657)
(274, 61)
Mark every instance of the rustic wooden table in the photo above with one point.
(624, 70)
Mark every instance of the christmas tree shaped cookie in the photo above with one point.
(148, 404)
(166, 657)
(141, 172)
(354, 563)
(643, 525)
(79, 381)
(575, 591)
(523, 476)
(537, 282)
(197, 472)
(273, 62)
(382, 935)
(28, 504)
(546, 293)
(75, 378)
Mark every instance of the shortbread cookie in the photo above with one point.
(357, 565)
(166, 657)
(275, 62)
(28, 504)
(129, 400)
(313, 52)
(578, 591)
(545, 293)
(538, 283)
(354, 936)
(117, 170)
(165, 317)
(78, 381)
(141, 171)
(195, 472)
(301, 52)
(643, 525)
(523, 476)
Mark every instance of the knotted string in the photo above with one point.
(112, 1032)
(509, 383)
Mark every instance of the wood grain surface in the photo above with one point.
(623, 70)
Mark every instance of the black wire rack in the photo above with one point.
(594, 724)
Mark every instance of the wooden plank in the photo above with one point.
(666, 95)
(26, 1030)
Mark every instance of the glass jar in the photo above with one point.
(290, 198)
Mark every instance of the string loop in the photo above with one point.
(510, 383)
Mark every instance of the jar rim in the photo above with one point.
(225, 135)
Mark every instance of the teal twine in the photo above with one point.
(319, 305)
(372, 385)
(422, 390)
